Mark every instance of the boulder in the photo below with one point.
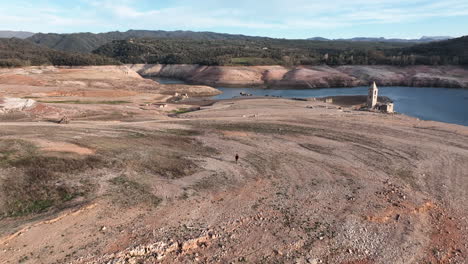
(15, 104)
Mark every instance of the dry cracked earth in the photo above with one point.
(314, 184)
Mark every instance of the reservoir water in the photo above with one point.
(438, 104)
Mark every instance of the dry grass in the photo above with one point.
(261, 128)
(38, 182)
(42, 181)
(14, 149)
(131, 192)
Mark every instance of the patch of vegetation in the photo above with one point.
(407, 175)
(14, 149)
(404, 174)
(184, 196)
(37, 182)
(212, 182)
(163, 153)
(170, 165)
(20, 53)
(262, 128)
(181, 111)
(252, 61)
(33, 191)
(183, 132)
(23, 259)
(56, 164)
(133, 193)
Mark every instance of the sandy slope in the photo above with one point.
(311, 76)
(315, 184)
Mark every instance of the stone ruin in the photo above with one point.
(372, 96)
(372, 101)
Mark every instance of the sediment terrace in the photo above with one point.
(311, 76)
(129, 182)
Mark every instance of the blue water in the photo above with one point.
(438, 104)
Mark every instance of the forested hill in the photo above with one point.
(87, 42)
(283, 52)
(454, 51)
(17, 53)
(206, 48)
(247, 52)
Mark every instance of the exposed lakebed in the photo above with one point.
(438, 104)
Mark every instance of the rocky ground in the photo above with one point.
(87, 92)
(311, 76)
(315, 183)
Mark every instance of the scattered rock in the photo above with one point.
(64, 120)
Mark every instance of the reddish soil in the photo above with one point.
(128, 182)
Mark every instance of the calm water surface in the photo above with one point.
(438, 104)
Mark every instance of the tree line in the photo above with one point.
(20, 53)
(284, 52)
(242, 51)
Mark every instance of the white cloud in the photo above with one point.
(213, 14)
(284, 14)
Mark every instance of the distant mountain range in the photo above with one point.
(15, 34)
(424, 39)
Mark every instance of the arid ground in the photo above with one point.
(127, 179)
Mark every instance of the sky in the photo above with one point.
(295, 19)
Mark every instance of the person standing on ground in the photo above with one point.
(237, 158)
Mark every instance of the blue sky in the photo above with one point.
(273, 18)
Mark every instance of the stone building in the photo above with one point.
(372, 97)
(372, 101)
(387, 108)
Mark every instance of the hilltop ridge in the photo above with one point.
(15, 34)
(423, 39)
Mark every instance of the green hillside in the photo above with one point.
(17, 52)
(454, 51)
(87, 42)
(248, 52)
(285, 52)
(207, 48)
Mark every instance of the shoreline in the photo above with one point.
(309, 77)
